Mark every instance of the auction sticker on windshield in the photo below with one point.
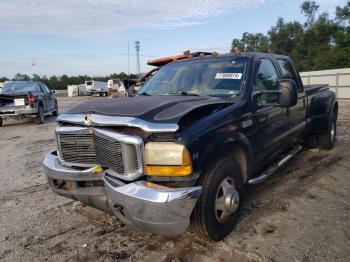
(228, 76)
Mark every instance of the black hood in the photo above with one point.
(161, 109)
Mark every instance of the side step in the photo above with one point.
(274, 167)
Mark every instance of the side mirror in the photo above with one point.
(52, 91)
(287, 94)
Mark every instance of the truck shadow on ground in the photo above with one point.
(28, 121)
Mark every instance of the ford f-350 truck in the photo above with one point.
(182, 150)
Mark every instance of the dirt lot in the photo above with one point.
(302, 213)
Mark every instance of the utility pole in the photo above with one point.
(128, 67)
(137, 46)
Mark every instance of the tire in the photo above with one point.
(207, 219)
(327, 140)
(55, 113)
(40, 116)
(1, 122)
(311, 141)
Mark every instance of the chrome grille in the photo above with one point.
(109, 154)
(82, 146)
(77, 148)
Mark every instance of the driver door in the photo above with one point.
(271, 136)
(49, 98)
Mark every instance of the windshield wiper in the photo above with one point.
(184, 93)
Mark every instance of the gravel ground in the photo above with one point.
(302, 213)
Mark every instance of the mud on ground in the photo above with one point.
(302, 213)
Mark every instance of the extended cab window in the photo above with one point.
(266, 78)
(289, 72)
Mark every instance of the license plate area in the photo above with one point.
(19, 102)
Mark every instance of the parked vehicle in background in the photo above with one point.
(21, 99)
(185, 146)
(96, 87)
(116, 88)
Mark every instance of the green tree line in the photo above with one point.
(319, 43)
(61, 82)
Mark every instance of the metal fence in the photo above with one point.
(339, 81)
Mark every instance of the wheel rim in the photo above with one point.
(227, 200)
(333, 132)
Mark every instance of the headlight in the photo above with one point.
(167, 159)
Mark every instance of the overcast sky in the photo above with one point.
(91, 36)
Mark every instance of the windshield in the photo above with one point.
(206, 77)
(18, 87)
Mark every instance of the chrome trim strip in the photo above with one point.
(102, 120)
(273, 168)
(129, 139)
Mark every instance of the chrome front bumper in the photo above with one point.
(140, 205)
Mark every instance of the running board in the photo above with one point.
(274, 167)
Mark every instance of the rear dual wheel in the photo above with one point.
(217, 210)
(325, 140)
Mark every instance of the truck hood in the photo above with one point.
(157, 109)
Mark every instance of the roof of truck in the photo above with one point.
(242, 54)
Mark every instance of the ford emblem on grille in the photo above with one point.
(87, 120)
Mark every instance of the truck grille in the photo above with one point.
(109, 153)
(86, 147)
(77, 148)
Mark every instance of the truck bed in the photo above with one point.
(312, 89)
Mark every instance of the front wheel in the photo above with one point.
(217, 210)
(1, 122)
(40, 117)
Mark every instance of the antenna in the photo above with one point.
(137, 46)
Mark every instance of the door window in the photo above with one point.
(47, 91)
(42, 90)
(289, 72)
(266, 78)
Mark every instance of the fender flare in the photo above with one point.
(321, 108)
(227, 142)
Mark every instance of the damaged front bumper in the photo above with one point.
(140, 205)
